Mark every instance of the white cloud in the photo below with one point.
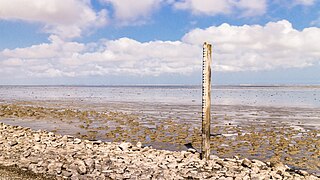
(66, 18)
(252, 7)
(127, 11)
(304, 2)
(56, 49)
(275, 45)
(208, 7)
(236, 48)
(123, 56)
(214, 7)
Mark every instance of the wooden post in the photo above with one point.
(206, 101)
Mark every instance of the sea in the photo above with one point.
(247, 95)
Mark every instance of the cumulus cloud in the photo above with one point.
(126, 11)
(214, 7)
(66, 18)
(235, 48)
(117, 57)
(275, 45)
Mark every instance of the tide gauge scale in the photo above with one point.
(206, 100)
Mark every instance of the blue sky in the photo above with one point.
(102, 42)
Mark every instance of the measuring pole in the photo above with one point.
(206, 101)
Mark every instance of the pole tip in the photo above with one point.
(206, 43)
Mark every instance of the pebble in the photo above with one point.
(246, 163)
(124, 146)
(139, 145)
(12, 143)
(77, 141)
(191, 150)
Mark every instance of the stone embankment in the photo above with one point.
(66, 157)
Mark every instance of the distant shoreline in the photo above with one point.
(179, 86)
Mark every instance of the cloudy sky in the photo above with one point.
(102, 42)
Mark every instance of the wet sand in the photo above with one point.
(287, 134)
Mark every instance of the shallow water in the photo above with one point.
(275, 96)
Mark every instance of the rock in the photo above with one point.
(24, 163)
(26, 154)
(255, 169)
(312, 177)
(89, 163)
(303, 173)
(139, 144)
(278, 166)
(64, 138)
(216, 166)
(96, 142)
(89, 145)
(125, 146)
(37, 138)
(246, 163)
(221, 162)
(192, 150)
(39, 147)
(230, 159)
(12, 143)
(224, 178)
(212, 157)
(76, 141)
(229, 174)
(51, 134)
(81, 167)
(276, 176)
(75, 177)
(172, 165)
(258, 163)
(55, 167)
(71, 158)
(258, 177)
(66, 173)
(34, 159)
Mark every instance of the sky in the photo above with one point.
(129, 42)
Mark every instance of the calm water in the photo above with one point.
(283, 96)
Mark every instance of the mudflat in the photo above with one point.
(287, 135)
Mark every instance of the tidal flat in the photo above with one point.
(247, 128)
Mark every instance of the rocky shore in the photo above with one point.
(67, 157)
